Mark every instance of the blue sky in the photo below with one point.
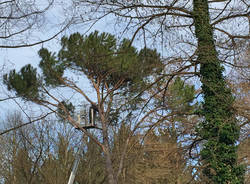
(16, 58)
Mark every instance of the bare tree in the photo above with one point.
(170, 24)
(240, 83)
(42, 152)
(21, 21)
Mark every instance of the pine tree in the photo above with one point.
(109, 66)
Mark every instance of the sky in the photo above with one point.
(19, 57)
(16, 58)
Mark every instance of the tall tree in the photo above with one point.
(108, 66)
(219, 129)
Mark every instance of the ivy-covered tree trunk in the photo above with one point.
(219, 130)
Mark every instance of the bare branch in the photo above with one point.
(22, 125)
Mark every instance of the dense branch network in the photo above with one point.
(21, 21)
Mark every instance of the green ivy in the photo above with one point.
(219, 130)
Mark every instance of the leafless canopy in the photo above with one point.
(20, 18)
(171, 23)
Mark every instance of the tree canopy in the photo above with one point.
(98, 56)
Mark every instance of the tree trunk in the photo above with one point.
(107, 154)
(108, 162)
(219, 129)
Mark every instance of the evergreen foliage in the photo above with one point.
(180, 96)
(52, 69)
(109, 66)
(97, 55)
(25, 83)
(69, 107)
(219, 130)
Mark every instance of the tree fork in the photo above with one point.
(219, 129)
